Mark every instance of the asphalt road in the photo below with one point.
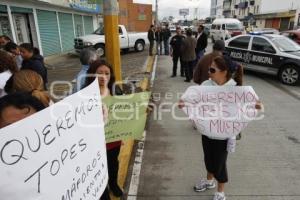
(266, 164)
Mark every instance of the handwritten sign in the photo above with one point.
(126, 116)
(220, 111)
(58, 153)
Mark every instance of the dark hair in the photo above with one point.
(10, 46)
(151, 26)
(219, 45)
(5, 37)
(87, 56)
(7, 62)
(20, 100)
(235, 71)
(201, 26)
(189, 32)
(30, 48)
(92, 71)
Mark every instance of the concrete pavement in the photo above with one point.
(266, 164)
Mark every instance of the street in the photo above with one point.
(265, 166)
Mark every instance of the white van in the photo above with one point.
(226, 28)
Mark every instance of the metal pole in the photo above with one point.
(112, 41)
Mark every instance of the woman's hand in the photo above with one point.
(181, 104)
(258, 105)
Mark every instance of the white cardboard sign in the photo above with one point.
(58, 153)
(220, 111)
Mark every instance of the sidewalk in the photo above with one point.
(264, 167)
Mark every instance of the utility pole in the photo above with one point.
(156, 12)
(112, 41)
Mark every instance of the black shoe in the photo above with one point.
(187, 81)
(173, 76)
(116, 190)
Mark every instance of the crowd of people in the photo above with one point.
(23, 91)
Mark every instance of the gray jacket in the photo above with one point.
(188, 49)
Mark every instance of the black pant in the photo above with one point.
(113, 166)
(113, 170)
(215, 158)
(188, 69)
(151, 48)
(175, 63)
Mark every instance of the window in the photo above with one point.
(213, 26)
(261, 44)
(120, 31)
(240, 42)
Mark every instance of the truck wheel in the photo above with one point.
(289, 75)
(100, 50)
(139, 46)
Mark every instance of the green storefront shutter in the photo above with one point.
(3, 8)
(88, 24)
(78, 25)
(48, 32)
(66, 31)
(21, 10)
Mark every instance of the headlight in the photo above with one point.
(87, 44)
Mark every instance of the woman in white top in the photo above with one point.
(216, 150)
(8, 67)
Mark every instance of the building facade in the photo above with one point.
(213, 9)
(50, 25)
(136, 17)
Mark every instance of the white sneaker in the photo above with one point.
(203, 185)
(219, 196)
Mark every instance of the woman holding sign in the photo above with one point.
(104, 72)
(215, 149)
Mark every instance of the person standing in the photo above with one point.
(189, 54)
(176, 43)
(166, 38)
(87, 56)
(215, 149)
(32, 60)
(158, 39)
(3, 41)
(107, 86)
(151, 38)
(201, 42)
(15, 51)
(8, 67)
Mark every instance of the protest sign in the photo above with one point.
(126, 116)
(220, 111)
(58, 153)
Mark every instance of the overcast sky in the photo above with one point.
(171, 7)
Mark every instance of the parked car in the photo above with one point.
(172, 28)
(223, 29)
(97, 41)
(267, 53)
(293, 35)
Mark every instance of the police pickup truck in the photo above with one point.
(267, 53)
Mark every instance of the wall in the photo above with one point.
(136, 17)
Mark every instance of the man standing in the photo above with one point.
(176, 43)
(151, 38)
(159, 39)
(166, 37)
(189, 55)
(201, 42)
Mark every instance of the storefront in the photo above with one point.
(50, 25)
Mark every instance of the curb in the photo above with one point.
(128, 146)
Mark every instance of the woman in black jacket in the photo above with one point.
(32, 60)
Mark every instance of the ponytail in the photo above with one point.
(42, 96)
(238, 75)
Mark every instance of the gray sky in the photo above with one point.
(171, 7)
